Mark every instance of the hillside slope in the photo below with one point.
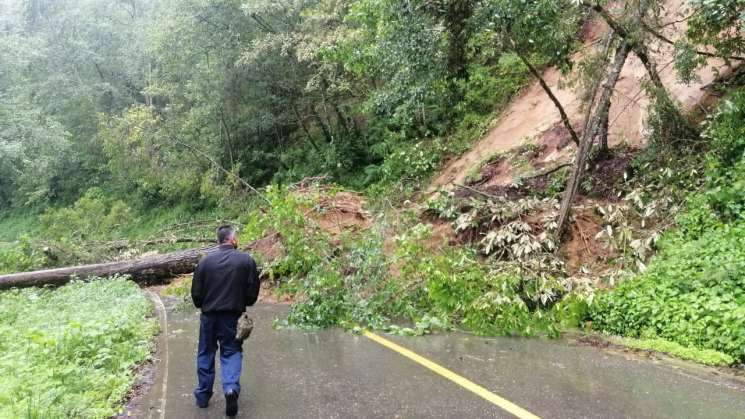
(532, 113)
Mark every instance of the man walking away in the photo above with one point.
(225, 282)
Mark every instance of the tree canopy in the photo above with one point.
(174, 100)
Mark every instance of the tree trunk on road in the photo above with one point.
(148, 270)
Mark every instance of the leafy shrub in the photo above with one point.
(351, 289)
(412, 161)
(692, 293)
(93, 216)
(70, 352)
(443, 204)
(489, 299)
(726, 132)
(285, 217)
(21, 256)
(726, 161)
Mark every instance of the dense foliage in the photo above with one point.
(216, 89)
(133, 125)
(410, 284)
(693, 291)
(70, 352)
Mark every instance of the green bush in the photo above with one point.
(285, 218)
(692, 293)
(349, 290)
(21, 256)
(71, 352)
(726, 133)
(94, 216)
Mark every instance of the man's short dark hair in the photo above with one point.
(224, 233)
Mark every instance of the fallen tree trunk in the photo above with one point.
(147, 270)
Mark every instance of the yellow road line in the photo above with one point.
(450, 375)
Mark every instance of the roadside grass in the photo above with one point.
(702, 356)
(180, 288)
(71, 351)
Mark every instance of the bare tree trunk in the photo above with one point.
(603, 134)
(587, 137)
(228, 136)
(682, 127)
(550, 93)
(342, 120)
(147, 270)
(322, 125)
(594, 92)
(305, 129)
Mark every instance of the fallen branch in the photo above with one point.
(199, 223)
(207, 157)
(669, 41)
(484, 194)
(550, 93)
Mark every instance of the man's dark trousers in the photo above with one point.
(217, 328)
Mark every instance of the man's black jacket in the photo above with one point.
(225, 281)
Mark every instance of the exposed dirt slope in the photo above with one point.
(334, 214)
(532, 113)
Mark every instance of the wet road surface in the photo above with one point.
(335, 374)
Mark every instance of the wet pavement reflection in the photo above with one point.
(335, 374)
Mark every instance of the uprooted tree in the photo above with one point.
(147, 270)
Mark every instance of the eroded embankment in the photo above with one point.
(532, 114)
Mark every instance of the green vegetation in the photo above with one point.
(97, 228)
(693, 291)
(702, 356)
(20, 256)
(14, 224)
(70, 352)
(363, 92)
(116, 141)
(359, 280)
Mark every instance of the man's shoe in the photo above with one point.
(231, 403)
(202, 405)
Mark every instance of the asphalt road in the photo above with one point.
(335, 374)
